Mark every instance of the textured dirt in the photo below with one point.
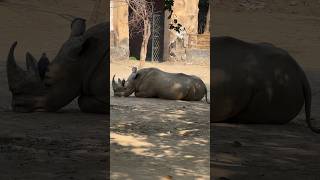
(289, 151)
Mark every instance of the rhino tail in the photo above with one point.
(206, 95)
(307, 102)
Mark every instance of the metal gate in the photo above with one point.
(156, 35)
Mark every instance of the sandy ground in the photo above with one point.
(64, 145)
(264, 152)
(154, 138)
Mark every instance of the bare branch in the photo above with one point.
(140, 22)
(141, 14)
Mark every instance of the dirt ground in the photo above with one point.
(64, 145)
(266, 152)
(154, 138)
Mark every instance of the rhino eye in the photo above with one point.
(47, 84)
(17, 93)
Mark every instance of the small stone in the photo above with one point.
(293, 3)
(223, 178)
(168, 177)
(236, 144)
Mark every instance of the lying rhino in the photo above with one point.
(256, 83)
(154, 83)
(78, 70)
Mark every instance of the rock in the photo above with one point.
(293, 3)
(236, 144)
(223, 178)
(186, 12)
(167, 177)
(119, 26)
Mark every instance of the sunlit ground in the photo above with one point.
(158, 138)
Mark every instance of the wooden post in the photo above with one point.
(166, 36)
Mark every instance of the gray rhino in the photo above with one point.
(78, 70)
(256, 83)
(42, 65)
(155, 83)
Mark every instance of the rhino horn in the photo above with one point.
(114, 84)
(31, 63)
(14, 73)
(123, 82)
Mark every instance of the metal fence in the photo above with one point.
(156, 35)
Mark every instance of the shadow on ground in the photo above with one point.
(154, 138)
(264, 152)
(65, 145)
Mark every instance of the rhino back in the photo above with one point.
(254, 82)
(96, 60)
(99, 31)
(169, 85)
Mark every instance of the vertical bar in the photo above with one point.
(152, 51)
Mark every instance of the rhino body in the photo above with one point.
(256, 83)
(78, 70)
(155, 83)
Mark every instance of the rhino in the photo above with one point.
(256, 83)
(79, 70)
(42, 65)
(155, 83)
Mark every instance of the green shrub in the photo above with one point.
(133, 58)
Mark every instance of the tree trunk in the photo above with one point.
(145, 40)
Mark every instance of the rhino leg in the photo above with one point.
(259, 106)
(90, 104)
(144, 94)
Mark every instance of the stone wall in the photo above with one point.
(119, 30)
(186, 12)
(193, 46)
(199, 41)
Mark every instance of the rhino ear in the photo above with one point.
(78, 27)
(134, 69)
(31, 63)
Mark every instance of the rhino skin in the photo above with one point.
(78, 27)
(43, 64)
(256, 83)
(155, 83)
(78, 70)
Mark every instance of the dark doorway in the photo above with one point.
(202, 15)
(135, 38)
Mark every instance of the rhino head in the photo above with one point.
(61, 84)
(118, 88)
(25, 85)
(125, 88)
